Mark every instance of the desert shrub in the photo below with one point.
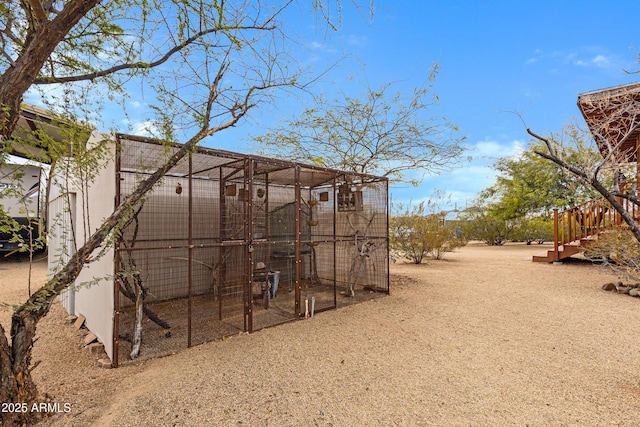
(443, 240)
(618, 250)
(486, 226)
(528, 230)
(415, 234)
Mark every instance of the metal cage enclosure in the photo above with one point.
(228, 242)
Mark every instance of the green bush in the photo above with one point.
(416, 235)
(531, 230)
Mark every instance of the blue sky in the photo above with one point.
(498, 59)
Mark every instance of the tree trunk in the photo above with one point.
(137, 330)
(128, 292)
(17, 385)
(7, 380)
(17, 79)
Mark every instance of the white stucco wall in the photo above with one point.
(92, 294)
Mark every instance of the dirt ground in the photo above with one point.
(484, 337)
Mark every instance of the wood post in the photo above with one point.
(637, 165)
(555, 234)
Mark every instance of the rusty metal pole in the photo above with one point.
(267, 235)
(116, 261)
(561, 226)
(583, 220)
(298, 207)
(590, 218)
(222, 206)
(248, 203)
(335, 247)
(386, 190)
(190, 255)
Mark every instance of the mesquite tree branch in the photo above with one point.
(589, 178)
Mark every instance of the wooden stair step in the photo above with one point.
(564, 251)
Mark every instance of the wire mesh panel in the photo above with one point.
(318, 289)
(229, 242)
(163, 328)
(273, 225)
(361, 228)
(233, 285)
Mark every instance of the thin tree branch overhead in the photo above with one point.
(380, 133)
(38, 10)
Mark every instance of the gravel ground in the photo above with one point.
(485, 337)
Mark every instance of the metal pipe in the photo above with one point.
(190, 251)
(250, 234)
(116, 265)
(335, 246)
(249, 223)
(221, 215)
(298, 195)
(283, 164)
(386, 190)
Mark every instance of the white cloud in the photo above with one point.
(581, 59)
(355, 40)
(468, 182)
(142, 128)
(145, 128)
(601, 61)
(586, 57)
(318, 51)
(462, 185)
(572, 57)
(316, 45)
(537, 54)
(494, 150)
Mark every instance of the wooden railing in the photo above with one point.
(587, 219)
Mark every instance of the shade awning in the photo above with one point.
(613, 117)
(37, 128)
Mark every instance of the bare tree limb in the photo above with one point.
(139, 64)
(15, 81)
(591, 180)
(38, 10)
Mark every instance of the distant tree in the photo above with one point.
(528, 185)
(481, 222)
(519, 205)
(420, 230)
(443, 238)
(380, 133)
(537, 229)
